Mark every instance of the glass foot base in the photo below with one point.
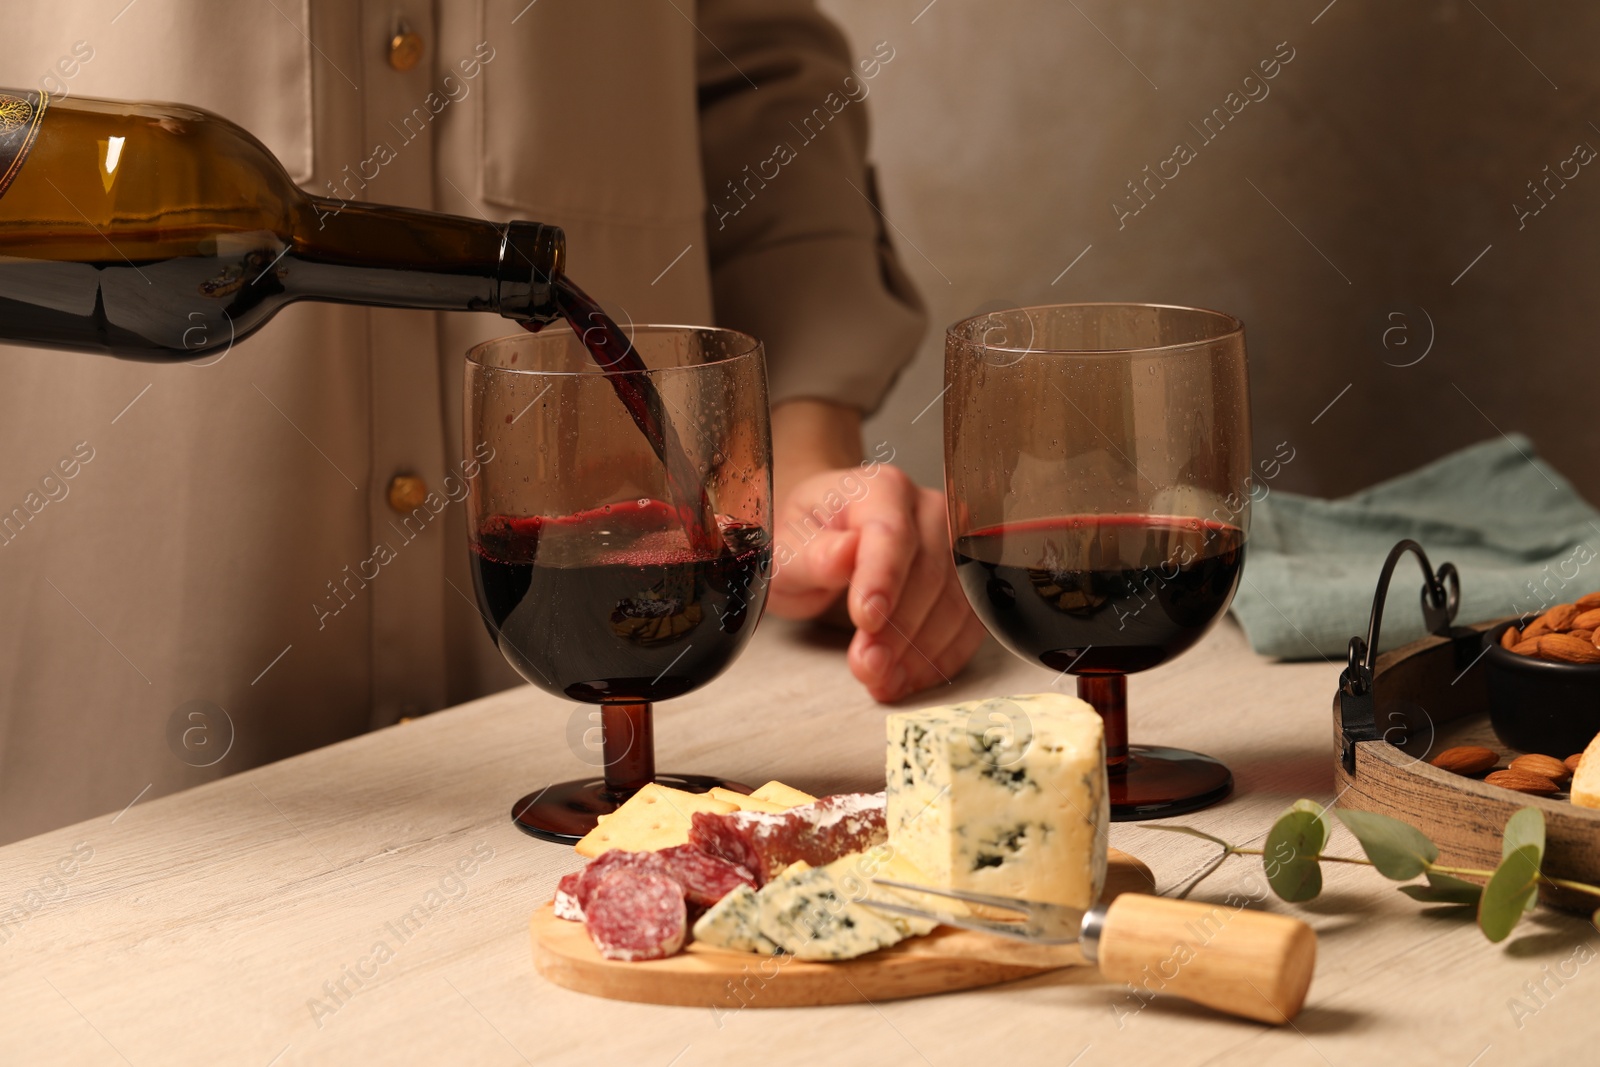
(1157, 782)
(566, 811)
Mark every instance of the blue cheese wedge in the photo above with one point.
(816, 914)
(819, 914)
(734, 923)
(1004, 796)
(853, 876)
(897, 868)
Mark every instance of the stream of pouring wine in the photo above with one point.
(612, 351)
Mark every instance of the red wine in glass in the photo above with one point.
(1102, 596)
(613, 604)
(1098, 473)
(621, 535)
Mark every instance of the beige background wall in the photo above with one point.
(1386, 156)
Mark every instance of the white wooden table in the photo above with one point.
(263, 919)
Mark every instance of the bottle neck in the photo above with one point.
(358, 253)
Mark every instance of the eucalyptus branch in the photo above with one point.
(1292, 858)
(1319, 858)
(1467, 872)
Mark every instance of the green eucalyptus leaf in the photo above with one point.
(1398, 850)
(1289, 857)
(1524, 828)
(1512, 891)
(1319, 810)
(1191, 831)
(1444, 889)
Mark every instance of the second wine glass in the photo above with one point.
(612, 568)
(1097, 463)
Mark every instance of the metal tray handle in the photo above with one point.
(1441, 596)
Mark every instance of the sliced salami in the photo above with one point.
(818, 833)
(705, 878)
(610, 862)
(636, 915)
(567, 906)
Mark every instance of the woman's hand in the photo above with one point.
(865, 537)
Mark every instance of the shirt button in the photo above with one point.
(405, 50)
(406, 493)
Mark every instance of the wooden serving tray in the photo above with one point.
(1430, 696)
(704, 977)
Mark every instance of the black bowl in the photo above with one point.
(1537, 705)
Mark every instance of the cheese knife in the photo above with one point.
(1247, 963)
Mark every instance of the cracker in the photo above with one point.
(786, 795)
(745, 802)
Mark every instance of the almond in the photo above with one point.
(1511, 637)
(1568, 649)
(1466, 759)
(1543, 766)
(1527, 647)
(1589, 602)
(1559, 617)
(1523, 782)
(1582, 635)
(1587, 620)
(1572, 761)
(1535, 629)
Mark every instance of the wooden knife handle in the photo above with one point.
(1243, 962)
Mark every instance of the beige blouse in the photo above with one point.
(164, 612)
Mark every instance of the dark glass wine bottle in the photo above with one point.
(159, 231)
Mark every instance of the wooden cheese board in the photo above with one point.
(1419, 700)
(943, 961)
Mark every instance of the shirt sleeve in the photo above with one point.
(798, 249)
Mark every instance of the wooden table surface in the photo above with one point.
(217, 926)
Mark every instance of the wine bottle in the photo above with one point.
(165, 232)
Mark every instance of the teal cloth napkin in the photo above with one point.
(1519, 534)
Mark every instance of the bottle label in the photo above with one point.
(20, 114)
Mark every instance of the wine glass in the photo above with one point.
(1097, 462)
(598, 581)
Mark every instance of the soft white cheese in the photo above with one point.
(1004, 796)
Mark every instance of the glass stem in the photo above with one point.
(628, 742)
(1109, 695)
